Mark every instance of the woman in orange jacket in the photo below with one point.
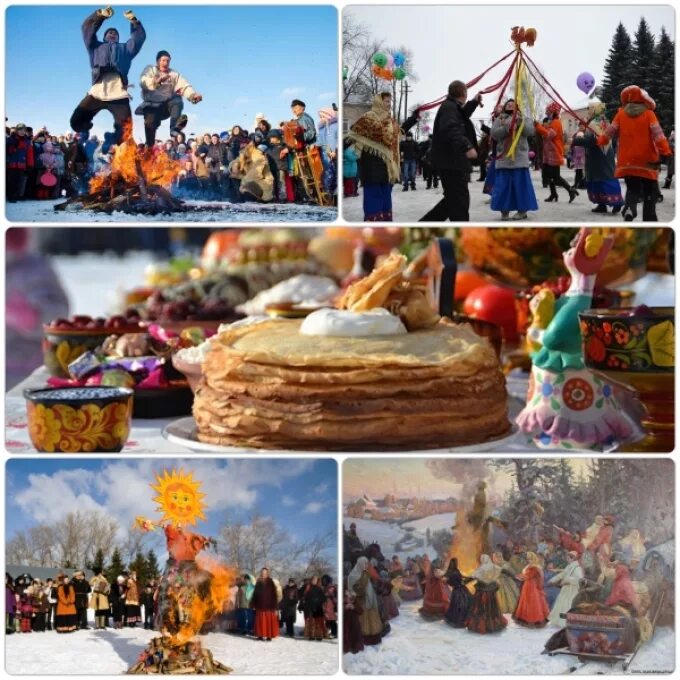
(553, 152)
(641, 142)
(66, 618)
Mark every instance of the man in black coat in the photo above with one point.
(454, 146)
(82, 590)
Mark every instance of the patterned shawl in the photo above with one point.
(376, 132)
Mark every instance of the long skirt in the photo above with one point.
(66, 623)
(266, 623)
(459, 607)
(133, 613)
(508, 593)
(513, 190)
(485, 614)
(390, 608)
(352, 638)
(605, 192)
(315, 628)
(378, 203)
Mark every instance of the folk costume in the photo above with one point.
(133, 610)
(376, 137)
(641, 143)
(265, 603)
(436, 597)
(568, 580)
(313, 604)
(66, 618)
(512, 187)
(553, 152)
(110, 63)
(485, 615)
(461, 597)
(532, 608)
(359, 583)
(99, 600)
(508, 590)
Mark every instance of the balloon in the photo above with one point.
(399, 59)
(390, 61)
(376, 70)
(530, 35)
(399, 73)
(379, 59)
(585, 82)
(386, 75)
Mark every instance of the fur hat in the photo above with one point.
(274, 132)
(553, 109)
(636, 95)
(298, 102)
(19, 126)
(115, 30)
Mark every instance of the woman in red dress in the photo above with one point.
(437, 594)
(532, 608)
(265, 603)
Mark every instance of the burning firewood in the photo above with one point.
(188, 658)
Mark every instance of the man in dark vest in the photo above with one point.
(110, 62)
(454, 146)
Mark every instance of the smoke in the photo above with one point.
(468, 472)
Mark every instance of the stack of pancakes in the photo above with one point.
(268, 386)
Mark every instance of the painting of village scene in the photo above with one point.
(508, 566)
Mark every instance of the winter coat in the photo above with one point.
(215, 154)
(274, 152)
(500, 132)
(200, 166)
(66, 600)
(553, 142)
(372, 170)
(132, 593)
(82, 589)
(330, 605)
(306, 122)
(453, 136)
(264, 595)
(100, 590)
(155, 92)
(243, 598)
(147, 601)
(19, 153)
(313, 601)
(350, 166)
(289, 603)
(641, 141)
(568, 581)
(408, 150)
(111, 57)
(600, 161)
(10, 600)
(252, 168)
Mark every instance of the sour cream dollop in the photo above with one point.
(345, 324)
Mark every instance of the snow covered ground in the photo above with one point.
(109, 652)
(43, 211)
(419, 647)
(410, 206)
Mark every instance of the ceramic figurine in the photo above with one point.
(568, 406)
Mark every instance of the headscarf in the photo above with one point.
(487, 571)
(249, 587)
(371, 599)
(377, 133)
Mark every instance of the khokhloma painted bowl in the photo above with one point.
(79, 419)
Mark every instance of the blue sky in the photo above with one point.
(242, 59)
(301, 494)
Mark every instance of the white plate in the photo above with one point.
(183, 433)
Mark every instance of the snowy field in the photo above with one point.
(222, 211)
(109, 652)
(388, 534)
(419, 647)
(410, 206)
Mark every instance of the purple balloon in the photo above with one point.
(585, 82)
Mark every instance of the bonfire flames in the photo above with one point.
(137, 181)
(466, 546)
(190, 608)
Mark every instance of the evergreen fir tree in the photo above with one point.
(153, 568)
(98, 563)
(617, 70)
(116, 568)
(140, 566)
(664, 79)
(643, 59)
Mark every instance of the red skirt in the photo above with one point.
(266, 623)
